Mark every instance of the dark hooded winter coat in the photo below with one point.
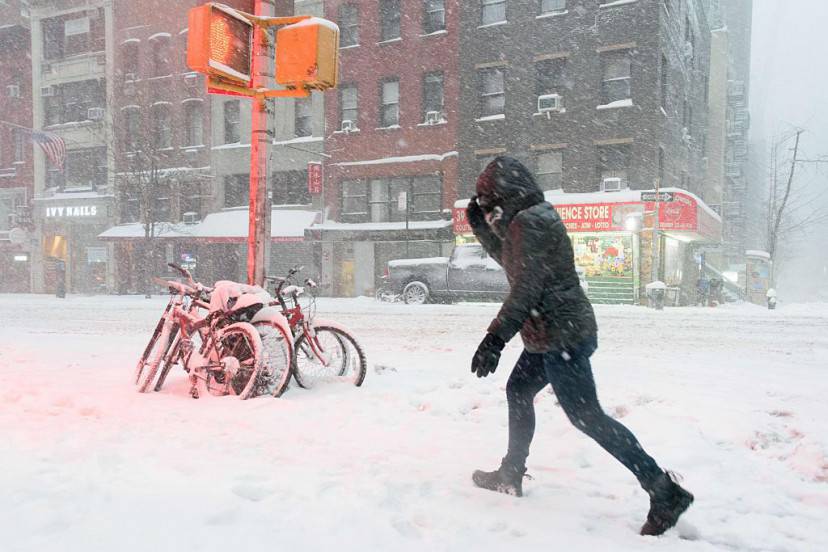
(546, 302)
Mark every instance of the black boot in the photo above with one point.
(506, 479)
(668, 500)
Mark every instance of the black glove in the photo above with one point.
(487, 356)
(474, 214)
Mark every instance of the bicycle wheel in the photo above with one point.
(172, 358)
(239, 346)
(157, 358)
(276, 362)
(143, 361)
(332, 354)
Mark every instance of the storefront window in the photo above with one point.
(354, 200)
(290, 188)
(236, 190)
(604, 256)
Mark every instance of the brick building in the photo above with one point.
(392, 130)
(595, 97)
(72, 70)
(16, 181)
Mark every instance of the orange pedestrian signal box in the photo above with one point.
(307, 54)
(219, 43)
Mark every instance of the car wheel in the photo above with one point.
(415, 293)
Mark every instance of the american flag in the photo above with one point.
(52, 145)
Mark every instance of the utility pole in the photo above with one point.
(258, 236)
(777, 219)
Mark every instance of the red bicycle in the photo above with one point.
(322, 350)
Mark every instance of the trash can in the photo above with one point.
(656, 292)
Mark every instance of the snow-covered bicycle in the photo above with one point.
(323, 350)
(225, 338)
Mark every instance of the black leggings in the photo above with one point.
(571, 378)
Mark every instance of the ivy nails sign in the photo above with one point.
(74, 211)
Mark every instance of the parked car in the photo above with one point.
(469, 273)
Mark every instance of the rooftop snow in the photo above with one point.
(367, 226)
(402, 159)
(230, 223)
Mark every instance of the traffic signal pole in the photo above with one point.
(258, 236)
(237, 53)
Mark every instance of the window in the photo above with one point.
(52, 38)
(433, 95)
(434, 16)
(377, 200)
(131, 128)
(76, 35)
(290, 188)
(492, 93)
(236, 190)
(71, 101)
(549, 76)
(381, 200)
(390, 19)
(614, 163)
(348, 25)
(85, 168)
(390, 103)
(424, 198)
(129, 53)
(303, 121)
(69, 34)
(231, 122)
(664, 87)
(616, 76)
(549, 170)
(161, 56)
(19, 145)
(348, 104)
(193, 123)
(161, 126)
(162, 204)
(552, 6)
(492, 11)
(354, 200)
(190, 197)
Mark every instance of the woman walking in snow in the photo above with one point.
(547, 306)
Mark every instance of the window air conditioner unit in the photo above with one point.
(13, 91)
(47, 91)
(549, 102)
(433, 118)
(611, 185)
(190, 217)
(348, 126)
(95, 113)
(12, 220)
(130, 77)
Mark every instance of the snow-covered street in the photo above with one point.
(732, 398)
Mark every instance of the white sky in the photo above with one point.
(789, 88)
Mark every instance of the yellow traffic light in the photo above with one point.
(219, 43)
